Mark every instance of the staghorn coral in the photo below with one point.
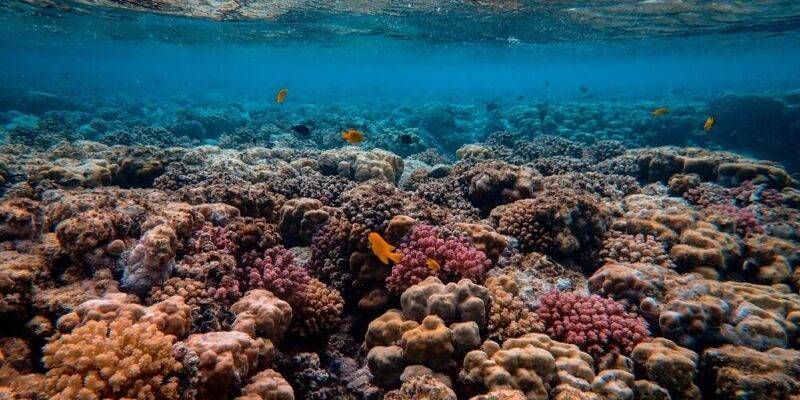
(598, 326)
(113, 360)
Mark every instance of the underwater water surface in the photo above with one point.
(249, 199)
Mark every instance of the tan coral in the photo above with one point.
(774, 374)
(430, 343)
(454, 302)
(509, 316)
(388, 329)
(19, 218)
(705, 247)
(531, 364)
(485, 238)
(423, 387)
(267, 385)
(672, 367)
(227, 359)
(261, 314)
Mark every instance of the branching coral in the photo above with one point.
(598, 326)
(509, 316)
(453, 253)
(113, 360)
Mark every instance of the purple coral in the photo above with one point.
(455, 255)
(597, 325)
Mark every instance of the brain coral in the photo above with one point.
(563, 224)
(112, 360)
(597, 325)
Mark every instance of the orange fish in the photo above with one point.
(433, 265)
(709, 123)
(382, 249)
(281, 96)
(353, 136)
(660, 111)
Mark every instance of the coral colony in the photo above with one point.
(564, 257)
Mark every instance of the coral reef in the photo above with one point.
(546, 251)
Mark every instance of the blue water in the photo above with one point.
(656, 54)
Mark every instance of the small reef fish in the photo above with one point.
(405, 138)
(660, 111)
(382, 249)
(709, 123)
(433, 265)
(302, 130)
(353, 136)
(281, 96)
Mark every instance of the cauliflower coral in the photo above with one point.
(455, 255)
(597, 325)
(113, 360)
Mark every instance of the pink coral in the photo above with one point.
(213, 238)
(745, 220)
(277, 272)
(597, 325)
(454, 253)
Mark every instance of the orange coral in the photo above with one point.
(112, 360)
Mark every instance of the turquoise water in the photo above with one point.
(387, 57)
(628, 57)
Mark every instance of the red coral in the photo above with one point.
(597, 325)
(455, 254)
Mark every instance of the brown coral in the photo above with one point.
(267, 385)
(509, 316)
(669, 365)
(226, 360)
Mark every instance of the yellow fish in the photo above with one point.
(353, 136)
(660, 111)
(281, 96)
(709, 124)
(433, 265)
(382, 249)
